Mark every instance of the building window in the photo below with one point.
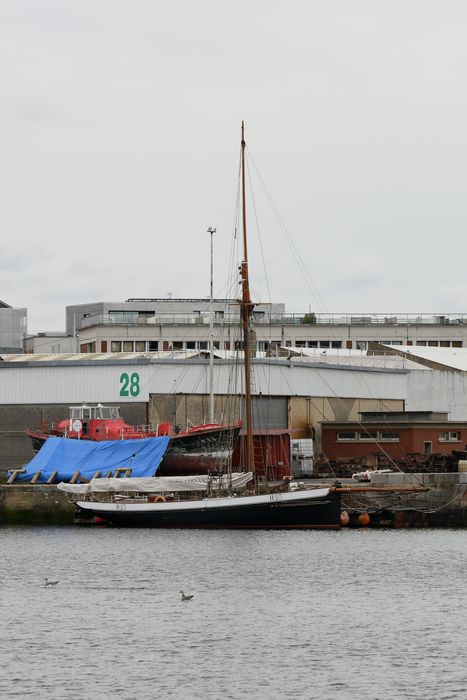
(347, 436)
(312, 343)
(177, 345)
(140, 345)
(361, 344)
(324, 343)
(389, 436)
(421, 343)
(127, 346)
(115, 346)
(370, 435)
(456, 343)
(336, 343)
(449, 436)
(203, 345)
(153, 345)
(190, 345)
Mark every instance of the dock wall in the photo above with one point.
(37, 504)
(443, 505)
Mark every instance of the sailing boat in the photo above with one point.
(227, 501)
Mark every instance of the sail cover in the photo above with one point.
(66, 457)
(202, 482)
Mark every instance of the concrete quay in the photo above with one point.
(34, 504)
(443, 504)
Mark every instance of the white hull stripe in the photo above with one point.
(211, 503)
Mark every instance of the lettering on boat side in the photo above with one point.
(275, 497)
(129, 384)
(120, 506)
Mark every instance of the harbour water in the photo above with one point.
(352, 614)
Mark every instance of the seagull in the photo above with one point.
(50, 583)
(186, 597)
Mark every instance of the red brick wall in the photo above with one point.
(411, 439)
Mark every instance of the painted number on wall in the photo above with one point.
(129, 384)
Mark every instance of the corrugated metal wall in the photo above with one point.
(130, 383)
(270, 412)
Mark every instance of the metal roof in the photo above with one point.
(350, 358)
(103, 356)
(450, 358)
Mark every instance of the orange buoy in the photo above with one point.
(364, 519)
(345, 519)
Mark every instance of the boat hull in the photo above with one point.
(199, 452)
(272, 511)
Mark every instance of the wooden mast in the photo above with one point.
(246, 312)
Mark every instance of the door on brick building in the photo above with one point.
(428, 447)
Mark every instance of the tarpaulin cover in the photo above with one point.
(201, 482)
(67, 456)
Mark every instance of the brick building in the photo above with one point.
(399, 435)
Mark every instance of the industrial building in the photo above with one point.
(300, 392)
(13, 328)
(158, 387)
(149, 325)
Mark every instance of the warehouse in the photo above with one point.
(156, 387)
(298, 392)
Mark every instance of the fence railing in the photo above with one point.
(285, 319)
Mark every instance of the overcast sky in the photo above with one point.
(120, 129)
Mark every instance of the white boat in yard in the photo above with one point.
(228, 500)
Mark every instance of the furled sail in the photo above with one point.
(203, 482)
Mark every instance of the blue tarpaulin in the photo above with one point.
(67, 456)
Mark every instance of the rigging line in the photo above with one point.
(388, 457)
(403, 456)
(258, 230)
(363, 428)
(235, 225)
(295, 252)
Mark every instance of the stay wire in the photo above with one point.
(309, 282)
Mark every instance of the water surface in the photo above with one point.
(351, 614)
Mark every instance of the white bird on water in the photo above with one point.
(50, 583)
(186, 597)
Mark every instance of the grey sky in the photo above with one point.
(120, 127)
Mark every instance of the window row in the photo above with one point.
(449, 436)
(389, 436)
(367, 436)
(440, 343)
(315, 343)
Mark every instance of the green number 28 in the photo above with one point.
(130, 384)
